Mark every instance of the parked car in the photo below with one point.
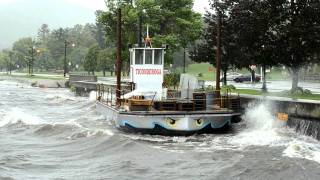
(231, 76)
(244, 78)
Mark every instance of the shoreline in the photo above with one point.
(37, 81)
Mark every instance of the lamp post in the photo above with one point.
(66, 43)
(264, 83)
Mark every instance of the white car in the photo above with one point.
(231, 76)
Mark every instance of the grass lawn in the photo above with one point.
(205, 70)
(278, 94)
(208, 72)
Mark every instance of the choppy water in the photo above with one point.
(50, 134)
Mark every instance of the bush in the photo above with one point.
(307, 92)
(297, 92)
(172, 79)
(228, 88)
(73, 89)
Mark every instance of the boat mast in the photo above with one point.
(119, 39)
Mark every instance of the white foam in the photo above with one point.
(91, 133)
(302, 149)
(93, 96)
(262, 127)
(15, 115)
(59, 97)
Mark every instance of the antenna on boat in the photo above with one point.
(148, 40)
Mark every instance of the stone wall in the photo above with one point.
(304, 115)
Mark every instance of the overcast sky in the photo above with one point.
(21, 18)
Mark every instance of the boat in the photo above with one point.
(146, 105)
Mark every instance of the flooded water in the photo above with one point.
(51, 134)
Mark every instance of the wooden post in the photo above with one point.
(218, 52)
(118, 89)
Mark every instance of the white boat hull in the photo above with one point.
(189, 123)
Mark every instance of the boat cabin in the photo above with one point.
(147, 69)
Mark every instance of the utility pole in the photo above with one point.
(184, 60)
(140, 31)
(218, 51)
(118, 63)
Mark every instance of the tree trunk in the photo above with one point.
(264, 83)
(111, 72)
(225, 77)
(295, 78)
(93, 72)
(104, 73)
(253, 76)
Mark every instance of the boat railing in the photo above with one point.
(213, 99)
(107, 94)
(196, 101)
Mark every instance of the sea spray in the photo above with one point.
(261, 126)
(92, 96)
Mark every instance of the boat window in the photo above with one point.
(139, 56)
(158, 56)
(148, 57)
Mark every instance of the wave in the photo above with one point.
(17, 115)
(71, 130)
(91, 133)
(59, 98)
(300, 149)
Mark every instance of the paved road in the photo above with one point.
(274, 86)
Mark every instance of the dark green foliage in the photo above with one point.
(106, 60)
(49, 47)
(270, 32)
(170, 22)
(90, 63)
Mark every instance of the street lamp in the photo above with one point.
(66, 43)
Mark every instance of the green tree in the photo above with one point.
(90, 63)
(106, 60)
(5, 59)
(170, 22)
(298, 35)
(43, 33)
(205, 49)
